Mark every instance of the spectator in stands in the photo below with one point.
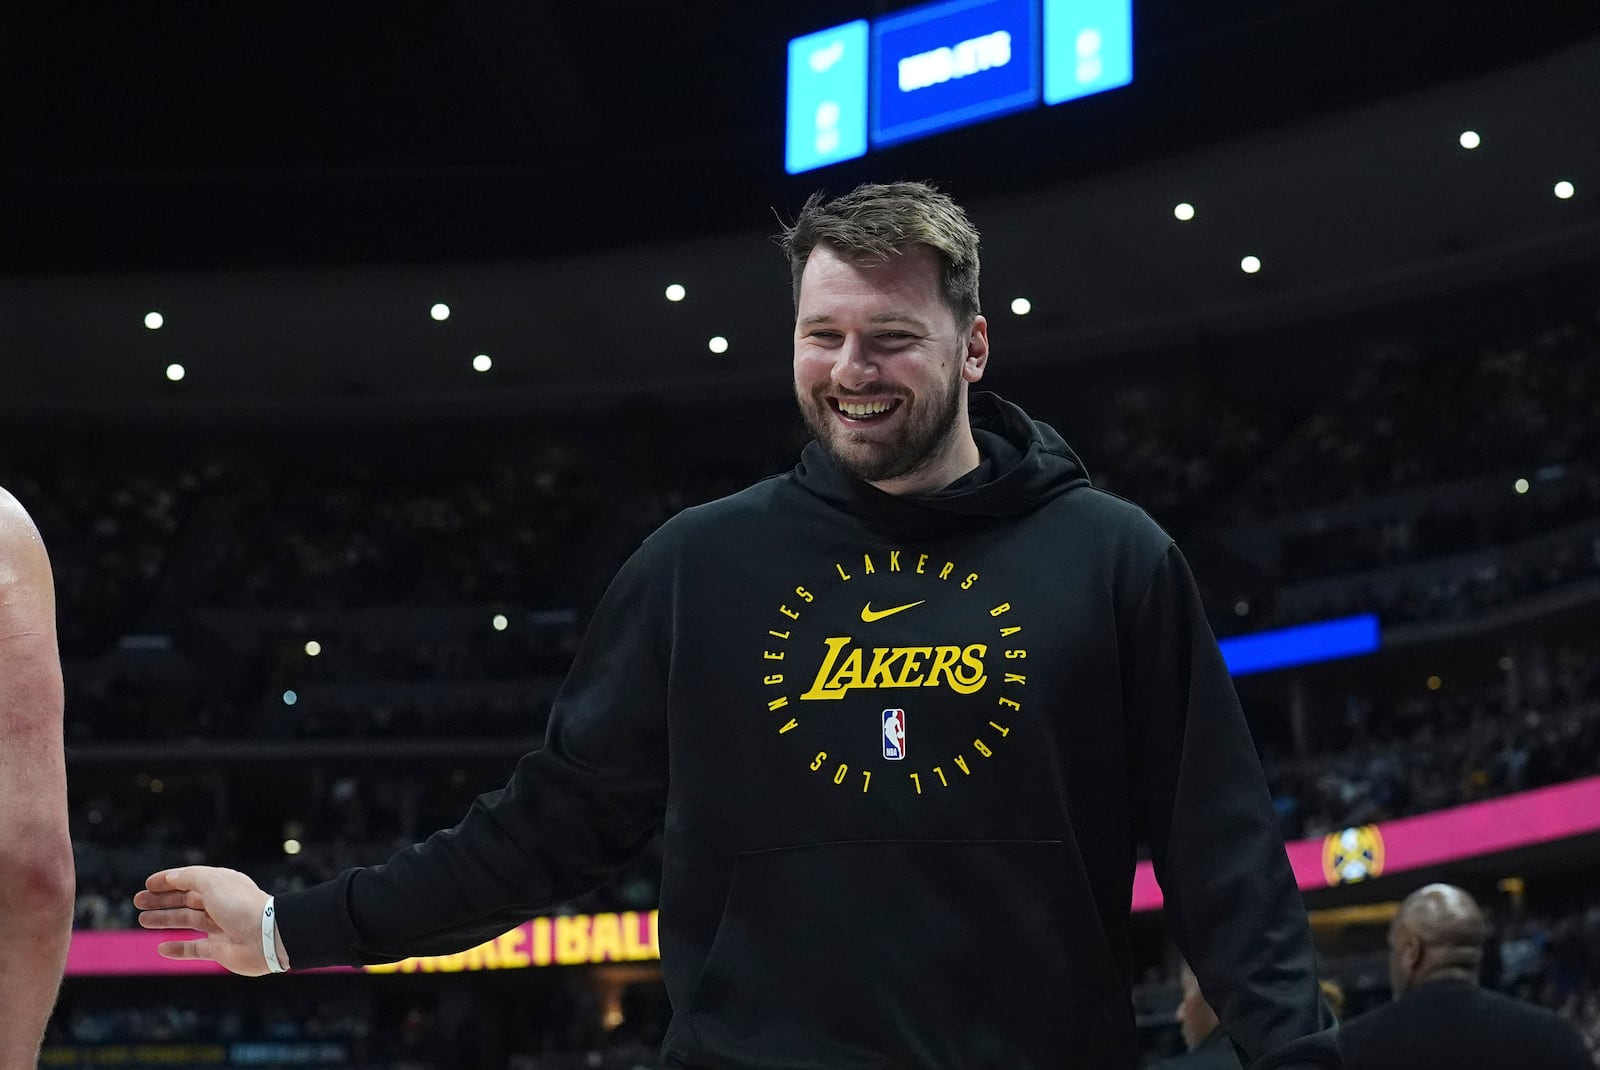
(1209, 1047)
(36, 884)
(1441, 1017)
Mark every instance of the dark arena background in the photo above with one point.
(347, 349)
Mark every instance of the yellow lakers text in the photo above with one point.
(846, 665)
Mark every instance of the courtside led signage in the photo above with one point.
(943, 65)
(1428, 841)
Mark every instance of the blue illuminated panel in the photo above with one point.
(1088, 47)
(952, 63)
(1304, 644)
(827, 97)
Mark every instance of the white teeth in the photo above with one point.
(864, 408)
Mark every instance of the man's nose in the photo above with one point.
(852, 366)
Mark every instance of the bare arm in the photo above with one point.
(36, 874)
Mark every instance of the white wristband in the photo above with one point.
(269, 936)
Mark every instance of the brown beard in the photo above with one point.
(920, 441)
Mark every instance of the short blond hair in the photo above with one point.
(879, 221)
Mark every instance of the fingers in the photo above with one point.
(183, 878)
(168, 900)
(185, 949)
(179, 918)
(174, 899)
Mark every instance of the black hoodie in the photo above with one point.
(902, 748)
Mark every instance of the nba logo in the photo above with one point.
(894, 734)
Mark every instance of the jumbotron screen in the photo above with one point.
(867, 84)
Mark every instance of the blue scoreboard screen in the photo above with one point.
(951, 63)
(946, 64)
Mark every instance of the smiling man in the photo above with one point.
(903, 714)
(883, 356)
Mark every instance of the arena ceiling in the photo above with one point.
(293, 186)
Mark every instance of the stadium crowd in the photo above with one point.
(1436, 753)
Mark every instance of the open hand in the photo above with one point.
(224, 904)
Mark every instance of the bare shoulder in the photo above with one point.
(22, 553)
(11, 511)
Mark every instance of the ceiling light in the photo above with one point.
(1564, 190)
(1184, 211)
(718, 344)
(500, 622)
(676, 292)
(440, 311)
(313, 648)
(482, 363)
(291, 847)
(1250, 265)
(1021, 306)
(1469, 139)
(290, 698)
(154, 320)
(175, 372)
(1520, 486)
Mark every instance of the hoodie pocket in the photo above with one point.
(911, 953)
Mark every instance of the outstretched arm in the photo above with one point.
(36, 875)
(575, 811)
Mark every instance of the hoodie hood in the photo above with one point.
(1025, 463)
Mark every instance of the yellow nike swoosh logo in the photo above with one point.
(868, 614)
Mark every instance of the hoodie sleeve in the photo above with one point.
(1231, 899)
(573, 813)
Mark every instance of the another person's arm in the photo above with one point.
(574, 812)
(1231, 898)
(36, 873)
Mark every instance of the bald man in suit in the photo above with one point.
(1440, 1017)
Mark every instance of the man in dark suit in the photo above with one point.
(1440, 1017)
(1208, 1043)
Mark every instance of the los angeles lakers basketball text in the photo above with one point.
(819, 649)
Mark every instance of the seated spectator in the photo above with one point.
(1209, 1047)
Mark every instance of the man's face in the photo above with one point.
(1196, 1019)
(880, 364)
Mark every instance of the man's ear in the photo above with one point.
(976, 358)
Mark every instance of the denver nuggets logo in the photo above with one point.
(1355, 854)
(894, 625)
